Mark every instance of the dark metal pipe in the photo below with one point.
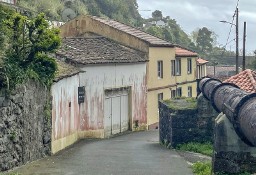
(238, 105)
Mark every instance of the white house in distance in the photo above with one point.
(108, 97)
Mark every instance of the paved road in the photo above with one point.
(131, 154)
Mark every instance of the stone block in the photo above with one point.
(231, 154)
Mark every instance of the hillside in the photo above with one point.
(125, 11)
(121, 10)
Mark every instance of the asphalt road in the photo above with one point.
(130, 154)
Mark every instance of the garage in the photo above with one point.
(116, 113)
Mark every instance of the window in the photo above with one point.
(178, 66)
(189, 63)
(160, 96)
(173, 93)
(189, 91)
(173, 70)
(160, 69)
(179, 92)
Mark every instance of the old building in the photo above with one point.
(201, 68)
(109, 95)
(183, 70)
(158, 52)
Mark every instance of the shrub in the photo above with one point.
(202, 168)
(203, 148)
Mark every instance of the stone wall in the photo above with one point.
(25, 128)
(177, 126)
(231, 154)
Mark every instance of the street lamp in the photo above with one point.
(237, 47)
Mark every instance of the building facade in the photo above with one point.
(158, 52)
(107, 97)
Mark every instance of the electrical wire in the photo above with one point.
(230, 30)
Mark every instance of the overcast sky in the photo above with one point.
(191, 14)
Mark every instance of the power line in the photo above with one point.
(230, 30)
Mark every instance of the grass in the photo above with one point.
(205, 168)
(181, 103)
(10, 174)
(202, 168)
(203, 148)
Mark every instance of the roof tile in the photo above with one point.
(184, 52)
(152, 40)
(201, 61)
(245, 80)
(96, 50)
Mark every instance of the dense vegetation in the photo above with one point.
(121, 10)
(28, 42)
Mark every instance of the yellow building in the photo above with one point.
(160, 53)
(183, 70)
(201, 68)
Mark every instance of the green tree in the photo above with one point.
(157, 15)
(31, 40)
(253, 64)
(204, 41)
(5, 13)
(155, 31)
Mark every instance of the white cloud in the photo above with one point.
(191, 14)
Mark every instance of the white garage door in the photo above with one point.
(116, 112)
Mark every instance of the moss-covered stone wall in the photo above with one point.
(183, 121)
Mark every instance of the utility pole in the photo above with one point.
(237, 42)
(244, 40)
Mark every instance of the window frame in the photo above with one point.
(173, 67)
(189, 91)
(160, 69)
(189, 65)
(179, 92)
(178, 67)
(160, 96)
(173, 93)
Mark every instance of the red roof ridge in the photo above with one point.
(245, 80)
(250, 74)
(201, 61)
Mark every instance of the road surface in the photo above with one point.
(137, 153)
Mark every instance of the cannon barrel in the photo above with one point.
(238, 105)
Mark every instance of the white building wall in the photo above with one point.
(65, 113)
(98, 78)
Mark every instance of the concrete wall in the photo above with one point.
(65, 113)
(99, 78)
(25, 125)
(73, 121)
(231, 154)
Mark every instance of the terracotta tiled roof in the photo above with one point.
(182, 52)
(245, 80)
(201, 61)
(97, 50)
(65, 70)
(152, 40)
